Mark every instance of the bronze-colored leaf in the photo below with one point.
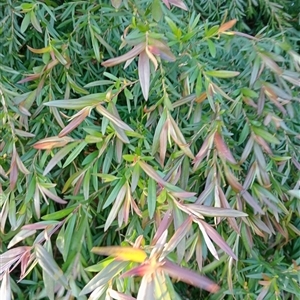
(222, 148)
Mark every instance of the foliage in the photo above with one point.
(163, 134)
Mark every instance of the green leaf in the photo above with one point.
(222, 73)
(25, 23)
(74, 154)
(151, 199)
(59, 214)
(48, 264)
(212, 48)
(58, 157)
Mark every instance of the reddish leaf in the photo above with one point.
(179, 4)
(222, 148)
(163, 226)
(189, 276)
(214, 235)
(52, 142)
(136, 50)
(76, 121)
(151, 172)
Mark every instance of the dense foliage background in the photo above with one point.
(150, 149)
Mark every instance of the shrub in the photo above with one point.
(149, 142)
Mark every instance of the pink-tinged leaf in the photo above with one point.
(166, 2)
(52, 142)
(21, 166)
(144, 73)
(122, 253)
(51, 195)
(201, 154)
(58, 157)
(152, 58)
(179, 234)
(20, 236)
(263, 144)
(135, 51)
(183, 194)
(151, 172)
(179, 4)
(232, 222)
(115, 120)
(116, 3)
(9, 257)
(5, 289)
(189, 277)
(207, 240)
(76, 121)
(163, 226)
(160, 48)
(222, 148)
(270, 63)
(13, 175)
(140, 270)
(251, 201)
(39, 225)
(30, 78)
(214, 235)
(199, 255)
(119, 296)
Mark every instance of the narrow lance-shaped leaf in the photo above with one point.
(58, 157)
(46, 192)
(80, 103)
(151, 172)
(222, 148)
(144, 73)
(202, 153)
(179, 234)
(76, 121)
(48, 264)
(227, 25)
(214, 235)
(116, 206)
(112, 118)
(189, 277)
(210, 211)
(52, 142)
(135, 51)
(5, 289)
(222, 73)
